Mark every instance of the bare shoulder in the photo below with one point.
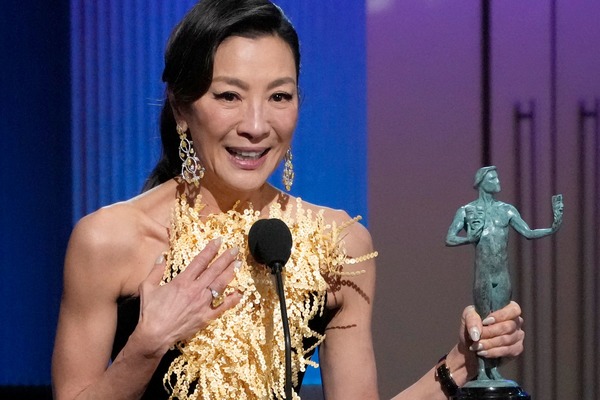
(110, 245)
(100, 246)
(111, 229)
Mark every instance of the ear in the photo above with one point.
(179, 119)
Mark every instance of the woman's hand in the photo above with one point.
(498, 336)
(178, 310)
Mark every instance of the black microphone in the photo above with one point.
(270, 243)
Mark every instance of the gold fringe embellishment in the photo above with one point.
(241, 354)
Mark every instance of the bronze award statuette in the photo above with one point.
(486, 222)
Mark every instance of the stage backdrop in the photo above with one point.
(35, 199)
(115, 61)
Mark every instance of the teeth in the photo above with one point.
(247, 154)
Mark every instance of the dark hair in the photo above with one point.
(190, 55)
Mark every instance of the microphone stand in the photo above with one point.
(276, 269)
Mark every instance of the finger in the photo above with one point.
(507, 346)
(472, 323)
(221, 271)
(218, 286)
(502, 338)
(511, 311)
(202, 259)
(505, 353)
(157, 271)
(502, 328)
(503, 334)
(230, 301)
(220, 282)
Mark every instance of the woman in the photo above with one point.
(161, 289)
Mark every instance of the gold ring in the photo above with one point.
(217, 299)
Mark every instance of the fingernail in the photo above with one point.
(482, 353)
(234, 251)
(218, 241)
(489, 321)
(160, 259)
(236, 265)
(474, 333)
(476, 347)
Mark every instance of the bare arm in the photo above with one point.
(98, 263)
(87, 322)
(346, 355)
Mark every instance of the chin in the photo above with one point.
(247, 185)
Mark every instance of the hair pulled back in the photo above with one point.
(189, 59)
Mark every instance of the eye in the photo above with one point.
(226, 96)
(282, 96)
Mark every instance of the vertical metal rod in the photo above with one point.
(533, 162)
(519, 200)
(581, 251)
(596, 246)
(519, 116)
(486, 99)
(553, 189)
(589, 245)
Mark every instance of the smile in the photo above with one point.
(247, 154)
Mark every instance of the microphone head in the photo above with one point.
(270, 241)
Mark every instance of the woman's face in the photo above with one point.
(243, 125)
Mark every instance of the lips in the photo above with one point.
(247, 159)
(247, 154)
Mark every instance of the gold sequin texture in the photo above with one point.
(241, 355)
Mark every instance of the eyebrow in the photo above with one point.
(244, 86)
(281, 81)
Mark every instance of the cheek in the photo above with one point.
(215, 127)
(287, 123)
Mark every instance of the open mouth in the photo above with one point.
(247, 155)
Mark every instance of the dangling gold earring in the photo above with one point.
(288, 170)
(191, 169)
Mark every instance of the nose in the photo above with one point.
(254, 123)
